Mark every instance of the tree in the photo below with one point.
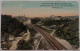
(35, 20)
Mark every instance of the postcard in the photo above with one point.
(39, 25)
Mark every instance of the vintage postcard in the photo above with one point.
(39, 25)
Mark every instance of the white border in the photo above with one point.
(39, 0)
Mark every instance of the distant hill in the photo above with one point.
(73, 16)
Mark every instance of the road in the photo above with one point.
(14, 43)
(52, 33)
(54, 44)
(26, 37)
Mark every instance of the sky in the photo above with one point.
(35, 8)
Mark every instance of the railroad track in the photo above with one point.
(54, 44)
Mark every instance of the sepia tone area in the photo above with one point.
(25, 31)
(22, 33)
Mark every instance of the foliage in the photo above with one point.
(69, 32)
(23, 45)
(19, 27)
(55, 22)
(33, 32)
(6, 20)
(11, 25)
(7, 45)
(35, 20)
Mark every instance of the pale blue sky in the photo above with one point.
(13, 7)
